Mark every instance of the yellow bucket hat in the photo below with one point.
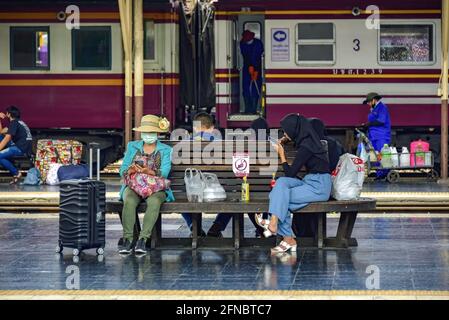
(152, 123)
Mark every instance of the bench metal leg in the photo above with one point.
(195, 226)
(237, 229)
(344, 231)
(156, 234)
(321, 229)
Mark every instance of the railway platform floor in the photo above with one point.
(408, 253)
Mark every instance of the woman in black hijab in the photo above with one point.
(291, 193)
(305, 225)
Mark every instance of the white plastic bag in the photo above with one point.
(347, 179)
(52, 174)
(213, 190)
(194, 185)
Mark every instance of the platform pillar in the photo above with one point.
(138, 65)
(125, 8)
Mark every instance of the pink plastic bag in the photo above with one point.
(417, 150)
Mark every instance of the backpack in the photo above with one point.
(33, 177)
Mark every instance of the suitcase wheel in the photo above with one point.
(59, 247)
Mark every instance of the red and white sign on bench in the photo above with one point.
(240, 164)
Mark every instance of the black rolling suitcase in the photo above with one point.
(82, 213)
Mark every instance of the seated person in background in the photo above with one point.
(260, 126)
(15, 141)
(151, 157)
(204, 130)
(305, 225)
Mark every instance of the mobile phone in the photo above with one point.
(139, 163)
(272, 140)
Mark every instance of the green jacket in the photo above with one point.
(137, 146)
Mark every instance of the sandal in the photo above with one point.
(264, 224)
(284, 247)
(16, 178)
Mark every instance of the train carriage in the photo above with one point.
(321, 58)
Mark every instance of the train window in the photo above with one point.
(149, 44)
(406, 44)
(29, 48)
(91, 48)
(315, 43)
(253, 27)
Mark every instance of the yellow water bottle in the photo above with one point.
(245, 190)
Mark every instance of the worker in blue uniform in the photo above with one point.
(252, 50)
(378, 125)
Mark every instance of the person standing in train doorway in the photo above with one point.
(378, 125)
(252, 50)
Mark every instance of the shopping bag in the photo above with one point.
(52, 174)
(194, 185)
(56, 151)
(348, 177)
(213, 190)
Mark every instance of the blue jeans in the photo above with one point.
(8, 153)
(290, 194)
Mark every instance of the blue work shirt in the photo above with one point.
(252, 56)
(380, 113)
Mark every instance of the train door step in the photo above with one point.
(243, 117)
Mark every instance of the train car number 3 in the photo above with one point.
(356, 45)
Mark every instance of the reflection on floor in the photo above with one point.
(408, 253)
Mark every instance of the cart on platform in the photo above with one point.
(419, 162)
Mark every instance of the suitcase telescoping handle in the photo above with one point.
(94, 146)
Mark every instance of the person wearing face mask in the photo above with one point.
(290, 192)
(152, 157)
(252, 50)
(378, 125)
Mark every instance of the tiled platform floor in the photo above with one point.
(410, 254)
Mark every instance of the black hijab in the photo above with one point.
(319, 127)
(299, 129)
(335, 150)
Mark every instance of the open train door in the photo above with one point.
(256, 24)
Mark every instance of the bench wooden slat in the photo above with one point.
(181, 206)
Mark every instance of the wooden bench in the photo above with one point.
(260, 188)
